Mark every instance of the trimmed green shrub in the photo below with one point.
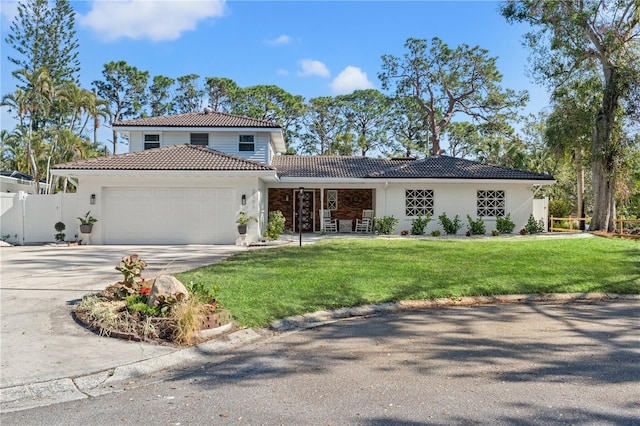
(419, 224)
(275, 226)
(504, 225)
(476, 227)
(451, 227)
(385, 225)
(533, 227)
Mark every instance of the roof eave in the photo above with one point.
(179, 173)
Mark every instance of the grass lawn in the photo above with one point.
(260, 286)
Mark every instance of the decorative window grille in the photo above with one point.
(201, 139)
(246, 143)
(332, 199)
(491, 203)
(418, 202)
(151, 141)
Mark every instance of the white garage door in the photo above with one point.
(169, 216)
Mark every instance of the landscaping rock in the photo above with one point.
(166, 285)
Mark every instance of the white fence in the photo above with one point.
(30, 218)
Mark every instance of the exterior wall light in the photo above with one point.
(92, 199)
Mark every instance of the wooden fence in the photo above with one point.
(575, 222)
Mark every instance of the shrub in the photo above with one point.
(533, 227)
(435, 233)
(385, 225)
(560, 208)
(476, 227)
(138, 303)
(495, 233)
(451, 227)
(205, 294)
(59, 226)
(504, 225)
(419, 224)
(275, 226)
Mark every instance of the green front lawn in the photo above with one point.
(260, 286)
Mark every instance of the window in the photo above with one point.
(418, 202)
(201, 139)
(332, 199)
(491, 203)
(151, 141)
(246, 143)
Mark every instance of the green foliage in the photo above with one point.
(560, 208)
(244, 218)
(435, 233)
(504, 225)
(131, 268)
(59, 226)
(385, 225)
(451, 227)
(204, 293)
(275, 226)
(138, 303)
(476, 227)
(495, 232)
(87, 219)
(419, 224)
(534, 227)
(166, 303)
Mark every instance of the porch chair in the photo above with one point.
(366, 223)
(329, 225)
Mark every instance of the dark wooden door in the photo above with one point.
(307, 211)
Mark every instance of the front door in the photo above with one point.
(306, 220)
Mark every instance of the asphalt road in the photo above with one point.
(530, 364)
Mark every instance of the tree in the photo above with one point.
(323, 123)
(189, 96)
(124, 87)
(446, 82)
(221, 92)
(365, 112)
(408, 127)
(160, 98)
(45, 37)
(271, 103)
(593, 37)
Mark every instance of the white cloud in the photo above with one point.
(350, 79)
(9, 10)
(283, 39)
(156, 20)
(311, 67)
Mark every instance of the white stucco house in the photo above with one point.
(188, 176)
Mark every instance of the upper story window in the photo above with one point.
(246, 143)
(201, 139)
(151, 141)
(491, 203)
(418, 202)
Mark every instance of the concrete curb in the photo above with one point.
(103, 382)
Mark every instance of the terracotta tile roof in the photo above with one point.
(175, 157)
(327, 166)
(197, 119)
(434, 167)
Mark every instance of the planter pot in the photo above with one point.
(242, 229)
(86, 229)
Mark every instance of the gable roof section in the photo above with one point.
(175, 157)
(198, 119)
(434, 167)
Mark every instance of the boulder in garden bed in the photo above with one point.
(166, 285)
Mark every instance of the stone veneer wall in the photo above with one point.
(351, 202)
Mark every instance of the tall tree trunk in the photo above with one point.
(580, 185)
(115, 141)
(603, 169)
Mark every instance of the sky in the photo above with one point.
(308, 48)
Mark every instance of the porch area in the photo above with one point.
(344, 205)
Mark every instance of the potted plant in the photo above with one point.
(59, 226)
(86, 223)
(243, 221)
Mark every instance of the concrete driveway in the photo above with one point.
(39, 340)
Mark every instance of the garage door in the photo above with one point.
(169, 216)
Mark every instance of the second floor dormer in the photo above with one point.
(244, 137)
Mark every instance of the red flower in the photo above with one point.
(145, 291)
